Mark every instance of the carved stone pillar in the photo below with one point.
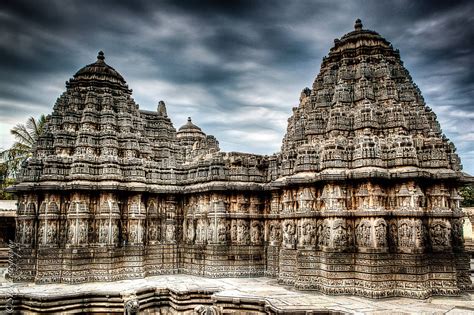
(107, 220)
(135, 219)
(25, 230)
(170, 224)
(190, 231)
(153, 223)
(216, 223)
(275, 203)
(78, 220)
(49, 221)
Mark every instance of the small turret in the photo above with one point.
(161, 109)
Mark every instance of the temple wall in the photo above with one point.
(368, 237)
(224, 234)
(98, 236)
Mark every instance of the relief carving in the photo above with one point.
(440, 234)
(256, 233)
(275, 233)
(339, 231)
(307, 233)
(243, 233)
(364, 233)
(289, 234)
(380, 233)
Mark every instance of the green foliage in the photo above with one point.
(10, 160)
(467, 192)
(6, 195)
(5, 182)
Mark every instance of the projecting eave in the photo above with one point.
(466, 178)
(339, 174)
(93, 185)
(136, 186)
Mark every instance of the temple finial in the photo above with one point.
(100, 55)
(189, 119)
(358, 25)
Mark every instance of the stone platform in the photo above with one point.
(184, 294)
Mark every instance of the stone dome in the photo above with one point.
(358, 38)
(98, 74)
(190, 127)
(189, 133)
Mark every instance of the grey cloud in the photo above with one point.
(237, 67)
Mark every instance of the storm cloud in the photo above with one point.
(236, 67)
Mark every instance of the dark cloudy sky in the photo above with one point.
(236, 67)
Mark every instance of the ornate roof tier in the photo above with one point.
(364, 111)
(98, 74)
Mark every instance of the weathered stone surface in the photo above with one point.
(362, 199)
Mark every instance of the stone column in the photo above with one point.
(135, 218)
(78, 220)
(107, 220)
(153, 231)
(49, 221)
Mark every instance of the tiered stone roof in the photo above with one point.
(364, 111)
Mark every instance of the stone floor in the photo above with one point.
(262, 289)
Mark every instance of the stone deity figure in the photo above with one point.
(71, 233)
(308, 234)
(52, 233)
(221, 232)
(339, 233)
(256, 233)
(364, 234)
(115, 234)
(274, 233)
(243, 235)
(439, 234)
(170, 233)
(191, 232)
(405, 234)
(381, 233)
(289, 239)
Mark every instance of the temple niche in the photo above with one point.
(362, 198)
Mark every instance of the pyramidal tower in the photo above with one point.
(362, 199)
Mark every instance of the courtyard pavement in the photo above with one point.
(262, 288)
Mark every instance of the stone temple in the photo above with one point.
(362, 199)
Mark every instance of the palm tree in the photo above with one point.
(26, 136)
